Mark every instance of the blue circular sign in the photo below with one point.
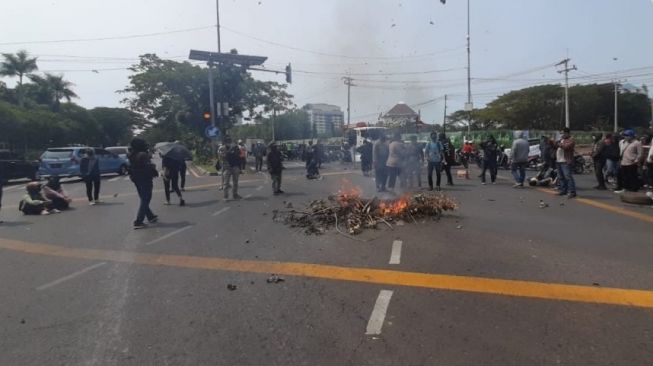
(212, 132)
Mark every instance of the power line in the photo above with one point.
(319, 53)
(107, 38)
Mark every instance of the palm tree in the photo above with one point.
(53, 88)
(19, 65)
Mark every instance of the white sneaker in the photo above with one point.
(649, 195)
(620, 191)
(56, 211)
(98, 201)
(92, 203)
(44, 212)
(483, 183)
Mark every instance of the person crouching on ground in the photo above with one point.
(53, 191)
(33, 203)
(275, 167)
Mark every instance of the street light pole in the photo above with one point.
(469, 72)
(616, 105)
(217, 10)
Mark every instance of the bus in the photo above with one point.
(368, 133)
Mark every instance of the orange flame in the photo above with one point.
(347, 192)
(395, 208)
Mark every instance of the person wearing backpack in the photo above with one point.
(449, 152)
(231, 168)
(89, 168)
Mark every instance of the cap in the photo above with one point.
(629, 133)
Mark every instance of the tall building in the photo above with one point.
(325, 119)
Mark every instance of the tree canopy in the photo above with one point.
(591, 107)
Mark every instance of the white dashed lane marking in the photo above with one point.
(395, 256)
(377, 318)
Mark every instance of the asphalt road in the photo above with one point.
(500, 281)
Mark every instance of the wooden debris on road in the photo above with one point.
(354, 213)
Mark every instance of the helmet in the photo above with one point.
(532, 182)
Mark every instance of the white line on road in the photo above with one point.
(377, 318)
(169, 235)
(248, 196)
(220, 211)
(114, 179)
(70, 276)
(395, 257)
(259, 188)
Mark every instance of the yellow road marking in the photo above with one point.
(607, 207)
(339, 173)
(516, 288)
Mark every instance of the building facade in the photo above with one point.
(325, 119)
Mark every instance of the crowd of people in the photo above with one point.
(617, 159)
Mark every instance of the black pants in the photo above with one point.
(599, 164)
(182, 176)
(144, 189)
(393, 173)
(92, 188)
(259, 163)
(243, 163)
(627, 178)
(171, 184)
(381, 177)
(447, 171)
(438, 173)
(490, 165)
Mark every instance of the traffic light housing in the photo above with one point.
(289, 74)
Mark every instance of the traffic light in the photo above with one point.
(289, 74)
(206, 116)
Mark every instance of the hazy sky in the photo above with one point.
(401, 50)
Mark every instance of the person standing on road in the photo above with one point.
(490, 151)
(2, 182)
(632, 155)
(259, 153)
(449, 152)
(547, 154)
(243, 156)
(319, 153)
(380, 152)
(312, 170)
(171, 171)
(598, 156)
(366, 157)
(275, 168)
(89, 168)
(414, 160)
(395, 161)
(612, 156)
(435, 156)
(182, 175)
(565, 160)
(142, 172)
(222, 164)
(519, 158)
(232, 169)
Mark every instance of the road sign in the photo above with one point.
(212, 132)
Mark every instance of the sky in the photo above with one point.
(410, 51)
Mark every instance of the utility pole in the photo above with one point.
(566, 71)
(349, 82)
(217, 11)
(617, 85)
(444, 118)
(469, 106)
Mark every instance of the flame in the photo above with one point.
(394, 208)
(347, 192)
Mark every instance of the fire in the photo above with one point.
(394, 208)
(347, 192)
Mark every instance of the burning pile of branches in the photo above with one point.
(350, 211)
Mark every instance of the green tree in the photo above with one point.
(178, 92)
(51, 89)
(117, 125)
(19, 65)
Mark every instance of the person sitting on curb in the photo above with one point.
(53, 191)
(33, 203)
